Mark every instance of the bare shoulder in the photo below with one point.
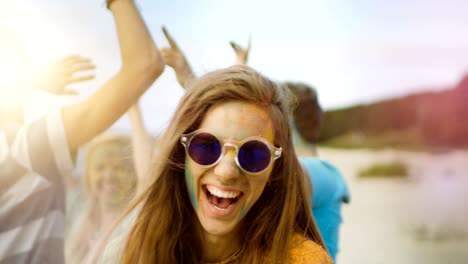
(305, 251)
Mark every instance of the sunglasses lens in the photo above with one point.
(254, 156)
(204, 149)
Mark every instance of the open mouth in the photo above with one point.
(221, 199)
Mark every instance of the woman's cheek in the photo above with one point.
(190, 181)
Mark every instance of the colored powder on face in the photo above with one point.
(191, 185)
(242, 214)
(247, 117)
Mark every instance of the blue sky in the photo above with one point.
(352, 51)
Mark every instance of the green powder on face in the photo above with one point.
(191, 185)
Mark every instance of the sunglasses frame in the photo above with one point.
(275, 152)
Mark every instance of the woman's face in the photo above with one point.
(112, 175)
(223, 194)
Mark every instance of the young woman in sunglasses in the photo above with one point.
(329, 189)
(229, 187)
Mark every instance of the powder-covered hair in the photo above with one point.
(167, 229)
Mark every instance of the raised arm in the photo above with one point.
(143, 146)
(242, 54)
(69, 70)
(175, 58)
(141, 65)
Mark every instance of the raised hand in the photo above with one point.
(175, 58)
(242, 54)
(64, 72)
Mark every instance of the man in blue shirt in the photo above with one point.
(329, 190)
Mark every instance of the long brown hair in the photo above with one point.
(167, 229)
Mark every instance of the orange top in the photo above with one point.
(305, 251)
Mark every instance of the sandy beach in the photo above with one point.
(422, 218)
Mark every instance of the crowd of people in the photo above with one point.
(234, 178)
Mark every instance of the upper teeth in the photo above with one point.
(222, 194)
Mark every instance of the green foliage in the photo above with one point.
(428, 120)
(384, 170)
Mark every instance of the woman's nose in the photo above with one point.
(227, 168)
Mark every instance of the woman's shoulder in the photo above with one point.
(306, 251)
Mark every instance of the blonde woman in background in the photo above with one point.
(107, 186)
(116, 170)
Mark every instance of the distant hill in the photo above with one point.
(428, 119)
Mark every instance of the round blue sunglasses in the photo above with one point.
(253, 154)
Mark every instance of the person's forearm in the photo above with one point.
(142, 146)
(141, 65)
(241, 61)
(137, 47)
(185, 76)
